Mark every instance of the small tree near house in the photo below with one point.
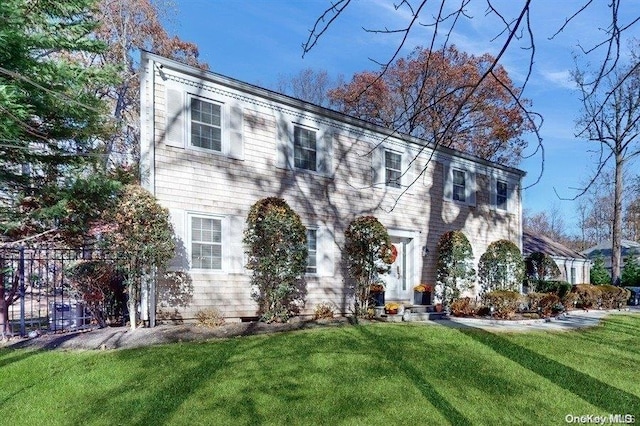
(276, 245)
(501, 267)
(367, 254)
(599, 274)
(142, 236)
(455, 273)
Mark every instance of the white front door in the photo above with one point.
(396, 279)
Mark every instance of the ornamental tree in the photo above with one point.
(368, 253)
(276, 245)
(139, 230)
(455, 272)
(501, 267)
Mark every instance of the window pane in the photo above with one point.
(501, 194)
(206, 119)
(393, 168)
(312, 249)
(304, 148)
(459, 188)
(206, 239)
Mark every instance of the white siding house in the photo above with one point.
(212, 146)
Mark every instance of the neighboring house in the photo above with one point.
(212, 146)
(574, 267)
(604, 249)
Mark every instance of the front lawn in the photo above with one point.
(372, 374)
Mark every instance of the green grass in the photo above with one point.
(370, 374)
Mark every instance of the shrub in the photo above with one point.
(504, 302)
(463, 307)
(544, 303)
(613, 297)
(561, 288)
(569, 301)
(276, 242)
(323, 311)
(587, 295)
(540, 266)
(455, 273)
(210, 317)
(501, 267)
(367, 254)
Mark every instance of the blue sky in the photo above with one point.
(258, 41)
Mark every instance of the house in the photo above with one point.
(212, 146)
(604, 249)
(574, 267)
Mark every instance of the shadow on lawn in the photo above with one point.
(397, 359)
(592, 390)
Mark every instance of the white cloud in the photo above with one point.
(558, 78)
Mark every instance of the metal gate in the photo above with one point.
(60, 289)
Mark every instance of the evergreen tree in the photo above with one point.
(631, 271)
(51, 119)
(599, 274)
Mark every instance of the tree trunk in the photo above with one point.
(616, 238)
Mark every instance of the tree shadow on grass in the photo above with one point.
(590, 389)
(395, 357)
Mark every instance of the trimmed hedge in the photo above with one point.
(561, 288)
(545, 303)
(463, 307)
(505, 303)
(600, 296)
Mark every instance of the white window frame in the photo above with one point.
(315, 267)
(455, 170)
(397, 183)
(449, 169)
(315, 148)
(502, 206)
(190, 120)
(222, 242)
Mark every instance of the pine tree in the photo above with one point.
(599, 274)
(631, 271)
(51, 119)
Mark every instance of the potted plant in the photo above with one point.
(422, 294)
(377, 294)
(391, 308)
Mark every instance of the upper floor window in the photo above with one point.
(393, 168)
(206, 243)
(304, 148)
(312, 247)
(501, 194)
(459, 185)
(206, 125)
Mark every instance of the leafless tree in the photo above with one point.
(309, 85)
(518, 30)
(611, 118)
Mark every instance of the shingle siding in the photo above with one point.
(192, 181)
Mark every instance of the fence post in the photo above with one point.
(23, 331)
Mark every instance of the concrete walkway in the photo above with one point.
(564, 322)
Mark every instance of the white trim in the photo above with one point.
(224, 244)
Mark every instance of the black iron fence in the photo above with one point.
(60, 289)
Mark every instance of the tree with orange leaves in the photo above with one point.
(441, 96)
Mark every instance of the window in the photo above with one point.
(312, 247)
(304, 148)
(459, 186)
(206, 125)
(573, 275)
(393, 169)
(501, 194)
(206, 243)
